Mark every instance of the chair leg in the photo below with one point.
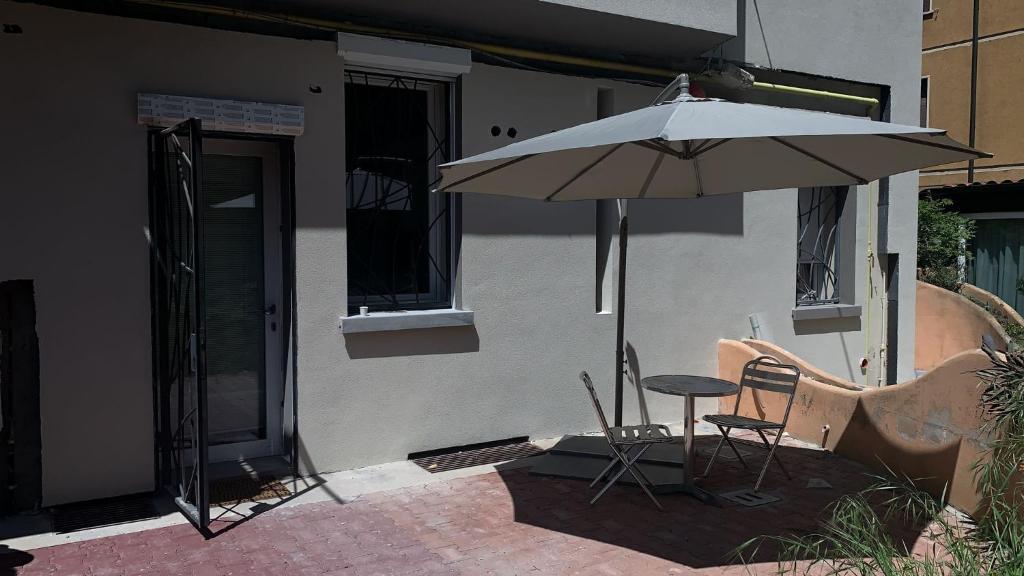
(734, 449)
(627, 466)
(643, 484)
(711, 462)
(774, 455)
(724, 440)
(605, 488)
(771, 456)
(605, 471)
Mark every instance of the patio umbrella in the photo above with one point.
(688, 147)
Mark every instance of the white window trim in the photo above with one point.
(387, 55)
(407, 320)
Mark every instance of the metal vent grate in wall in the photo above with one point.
(106, 512)
(475, 455)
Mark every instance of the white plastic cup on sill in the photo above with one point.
(364, 310)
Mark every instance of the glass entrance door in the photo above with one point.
(241, 180)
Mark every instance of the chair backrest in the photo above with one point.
(633, 371)
(768, 374)
(597, 405)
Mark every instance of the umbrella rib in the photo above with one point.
(813, 156)
(585, 169)
(705, 149)
(486, 172)
(650, 175)
(657, 147)
(963, 149)
(696, 167)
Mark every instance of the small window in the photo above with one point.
(929, 10)
(817, 265)
(925, 88)
(397, 133)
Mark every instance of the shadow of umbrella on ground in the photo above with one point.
(688, 532)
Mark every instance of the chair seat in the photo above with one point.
(742, 422)
(643, 434)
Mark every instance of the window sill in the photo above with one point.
(407, 320)
(826, 311)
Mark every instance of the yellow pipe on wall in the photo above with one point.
(337, 26)
(768, 86)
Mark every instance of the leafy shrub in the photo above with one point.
(942, 237)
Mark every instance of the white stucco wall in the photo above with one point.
(870, 41)
(74, 207)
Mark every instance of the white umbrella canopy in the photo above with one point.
(690, 147)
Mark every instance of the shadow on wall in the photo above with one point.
(498, 215)
(928, 428)
(826, 326)
(429, 341)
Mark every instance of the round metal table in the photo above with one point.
(690, 387)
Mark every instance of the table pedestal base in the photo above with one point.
(690, 490)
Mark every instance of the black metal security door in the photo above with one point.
(179, 343)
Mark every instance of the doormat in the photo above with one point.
(246, 489)
(477, 457)
(105, 512)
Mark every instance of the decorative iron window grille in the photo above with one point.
(397, 133)
(817, 265)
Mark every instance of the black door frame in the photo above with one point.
(162, 472)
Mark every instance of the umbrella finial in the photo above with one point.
(682, 84)
(683, 80)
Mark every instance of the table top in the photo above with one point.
(686, 385)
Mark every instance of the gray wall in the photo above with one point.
(867, 41)
(74, 208)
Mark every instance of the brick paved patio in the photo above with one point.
(505, 522)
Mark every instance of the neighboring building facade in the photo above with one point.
(318, 204)
(972, 68)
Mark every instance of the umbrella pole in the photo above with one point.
(620, 319)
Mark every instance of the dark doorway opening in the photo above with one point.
(20, 443)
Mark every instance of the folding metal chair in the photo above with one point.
(628, 444)
(769, 375)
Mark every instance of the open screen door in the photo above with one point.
(177, 270)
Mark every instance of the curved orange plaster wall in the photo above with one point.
(928, 429)
(806, 369)
(947, 324)
(972, 291)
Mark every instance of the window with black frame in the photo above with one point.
(397, 133)
(817, 266)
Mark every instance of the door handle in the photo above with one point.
(270, 310)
